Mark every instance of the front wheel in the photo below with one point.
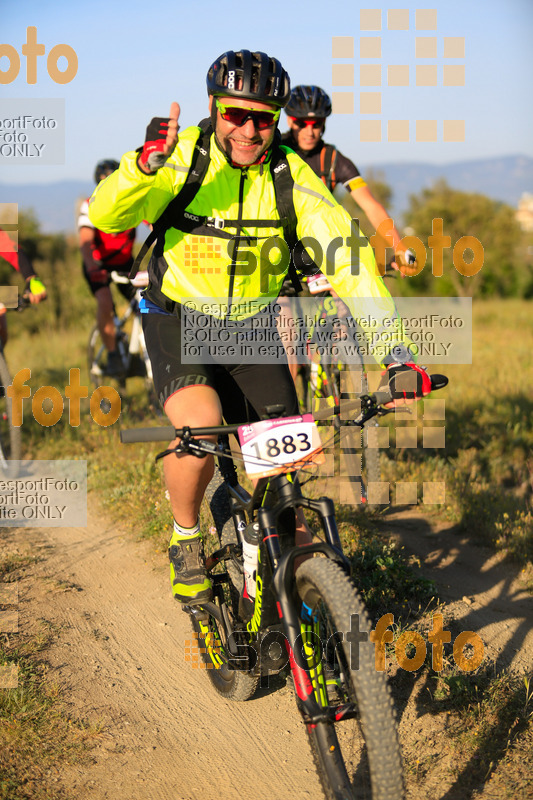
(10, 438)
(356, 751)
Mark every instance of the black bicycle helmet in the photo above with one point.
(105, 168)
(308, 101)
(253, 76)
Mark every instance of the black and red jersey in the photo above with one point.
(330, 165)
(112, 249)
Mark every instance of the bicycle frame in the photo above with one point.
(273, 609)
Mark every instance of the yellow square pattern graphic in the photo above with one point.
(454, 47)
(398, 19)
(343, 102)
(370, 19)
(406, 493)
(370, 47)
(398, 130)
(342, 46)
(426, 19)
(9, 213)
(453, 75)
(342, 75)
(453, 130)
(9, 676)
(370, 75)
(426, 75)
(398, 75)
(425, 45)
(201, 255)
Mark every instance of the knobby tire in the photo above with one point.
(355, 758)
(233, 684)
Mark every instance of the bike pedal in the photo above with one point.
(197, 612)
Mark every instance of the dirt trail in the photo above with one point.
(482, 594)
(120, 659)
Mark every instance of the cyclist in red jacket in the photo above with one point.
(34, 289)
(101, 254)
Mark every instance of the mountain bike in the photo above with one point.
(10, 435)
(281, 605)
(130, 344)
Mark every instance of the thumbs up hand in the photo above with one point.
(160, 140)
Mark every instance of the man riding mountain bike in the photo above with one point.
(101, 254)
(225, 188)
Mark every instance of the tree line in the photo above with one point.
(507, 269)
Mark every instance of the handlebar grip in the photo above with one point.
(382, 397)
(117, 278)
(23, 302)
(438, 381)
(133, 435)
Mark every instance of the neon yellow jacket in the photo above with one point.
(195, 266)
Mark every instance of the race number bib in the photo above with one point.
(273, 446)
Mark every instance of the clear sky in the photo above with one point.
(136, 57)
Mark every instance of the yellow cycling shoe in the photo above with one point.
(188, 576)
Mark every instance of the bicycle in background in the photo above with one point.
(10, 435)
(130, 344)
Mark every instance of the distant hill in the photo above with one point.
(503, 178)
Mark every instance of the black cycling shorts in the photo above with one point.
(244, 389)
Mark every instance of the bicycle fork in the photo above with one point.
(304, 648)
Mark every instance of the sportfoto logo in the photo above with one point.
(32, 49)
(410, 648)
(274, 255)
(104, 396)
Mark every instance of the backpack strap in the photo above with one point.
(177, 206)
(328, 158)
(283, 188)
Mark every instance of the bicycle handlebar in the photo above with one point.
(23, 302)
(135, 435)
(140, 280)
(375, 403)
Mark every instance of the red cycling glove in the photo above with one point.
(152, 156)
(406, 381)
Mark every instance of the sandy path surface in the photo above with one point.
(120, 659)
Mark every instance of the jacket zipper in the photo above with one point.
(244, 175)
